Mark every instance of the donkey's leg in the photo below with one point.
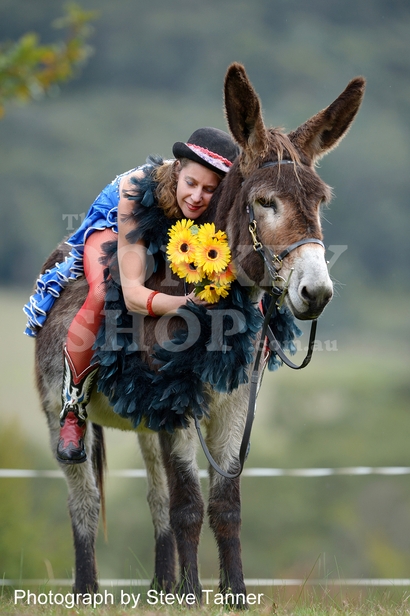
(158, 501)
(84, 508)
(186, 503)
(224, 436)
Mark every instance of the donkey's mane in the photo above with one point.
(280, 145)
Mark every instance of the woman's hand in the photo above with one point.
(196, 300)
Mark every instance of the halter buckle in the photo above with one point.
(277, 262)
(281, 299)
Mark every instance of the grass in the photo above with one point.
(303, 600)
(279, 602)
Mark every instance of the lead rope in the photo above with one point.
(243, 451)
(274, 345)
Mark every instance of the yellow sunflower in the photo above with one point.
(182, 243)
(222, 289)
(189, 271)
(213, 256)
(209, 294)
(225, 277)
(207, 233)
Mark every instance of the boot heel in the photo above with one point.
(70, 448)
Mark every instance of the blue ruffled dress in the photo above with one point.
(101, 215)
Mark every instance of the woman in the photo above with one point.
(184, 188)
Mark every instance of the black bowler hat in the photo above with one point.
(210, 147)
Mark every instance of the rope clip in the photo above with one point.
(257, 246)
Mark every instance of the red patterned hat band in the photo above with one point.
(216, 160)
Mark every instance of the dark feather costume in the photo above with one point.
(167, 396)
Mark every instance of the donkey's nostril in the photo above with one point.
(316, 296)
(305, 295)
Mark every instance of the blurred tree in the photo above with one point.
(29, 70)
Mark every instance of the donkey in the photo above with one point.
(273, 191)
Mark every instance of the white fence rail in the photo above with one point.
(250, 472)
(251, 582)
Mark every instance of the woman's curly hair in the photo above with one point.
(167, 177)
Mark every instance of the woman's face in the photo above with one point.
(195, 187)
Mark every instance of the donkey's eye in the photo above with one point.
(267, 203)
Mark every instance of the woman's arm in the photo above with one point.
(132, 263)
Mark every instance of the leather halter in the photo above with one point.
(273, 263)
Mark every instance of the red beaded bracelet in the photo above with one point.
(149, 304)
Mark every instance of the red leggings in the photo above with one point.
(85, 325)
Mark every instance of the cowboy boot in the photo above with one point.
(76, 395)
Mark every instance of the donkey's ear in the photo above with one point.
(326, 129)
(243, 112)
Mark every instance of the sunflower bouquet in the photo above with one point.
(201, 255)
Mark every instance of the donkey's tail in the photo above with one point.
(100, 463)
